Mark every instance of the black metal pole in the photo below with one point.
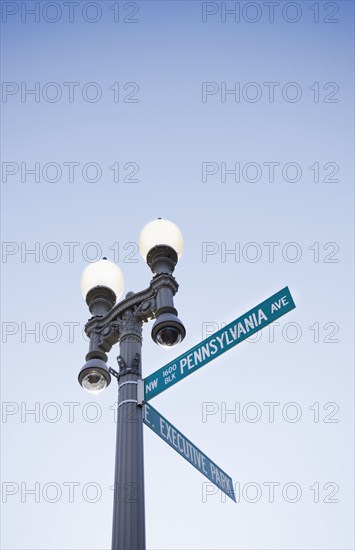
(128, 530)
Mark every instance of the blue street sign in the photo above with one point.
(187, 450)
(251, 322)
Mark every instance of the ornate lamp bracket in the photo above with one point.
(105, 331)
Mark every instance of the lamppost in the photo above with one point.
(161, 245)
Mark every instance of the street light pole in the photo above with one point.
(128, 531)
(102, 284)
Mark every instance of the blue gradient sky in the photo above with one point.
(169, 133)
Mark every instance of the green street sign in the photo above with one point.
(221, 341)
(173, 437)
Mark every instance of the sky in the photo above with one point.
(234, 120)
